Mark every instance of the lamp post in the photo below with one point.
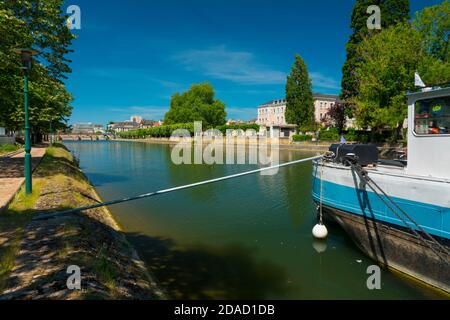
(26, 56)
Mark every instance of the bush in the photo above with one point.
(157, 132)
(332, 134)
(243, 127)
(301, 137)
(167, 130)
(351, 135)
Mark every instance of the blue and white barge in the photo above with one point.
(419, 186)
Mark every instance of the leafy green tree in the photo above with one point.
(47, 26)
(386, 72)
(433, 23)
(41, 25)
(299, 97)
(392, 12)
(196, 104)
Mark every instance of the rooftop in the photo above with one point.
(316, 96)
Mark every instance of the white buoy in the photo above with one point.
(320, 231)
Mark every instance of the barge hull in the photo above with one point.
(395, 247)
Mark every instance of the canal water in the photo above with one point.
(247, 238)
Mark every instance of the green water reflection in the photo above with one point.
(243, 238)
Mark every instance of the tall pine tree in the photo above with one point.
(300, 103)
(392, 13)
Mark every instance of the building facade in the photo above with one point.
(323, 104)
(87, 128)
(274, 112)
(135, 122)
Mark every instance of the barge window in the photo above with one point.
(432, 116)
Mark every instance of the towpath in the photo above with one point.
(12, 173)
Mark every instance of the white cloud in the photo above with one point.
(321, 81)
(123, 74)
(241, 113)
(236, 66)
(241, 67)
(147, 112)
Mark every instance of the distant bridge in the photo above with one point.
(85, 137)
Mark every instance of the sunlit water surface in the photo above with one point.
(244, 238)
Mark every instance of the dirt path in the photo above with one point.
(36, 249)
(12, 174)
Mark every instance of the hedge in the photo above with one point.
(301, 137)
(166, 131)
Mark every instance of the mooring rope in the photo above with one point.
(321, 194)
(164, 191)
(363, 174)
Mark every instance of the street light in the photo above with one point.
(27, 57)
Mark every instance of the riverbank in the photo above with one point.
(35, 252)
(284, 144)
(387, 151)
(9, 149)
(12, 172)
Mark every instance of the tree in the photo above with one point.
(196, 104)
(47, 26)
(385, 73)
(41, 25)
(433, 23)
(388, 61)
(434, 27)
(300, 103)
(336, 114)
(392, 12)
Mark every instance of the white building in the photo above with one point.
(273, 112)
(322, 104)
(137, 119)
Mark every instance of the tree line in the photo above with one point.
(380, 66)
(378, 72)
(40, 25)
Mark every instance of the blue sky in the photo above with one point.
(132, 56)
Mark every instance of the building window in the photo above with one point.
(432, 116)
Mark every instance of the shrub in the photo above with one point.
(351, 135)
(332, 134)
(157, 132)
(167, 130)
(244, 127)
(301, 137)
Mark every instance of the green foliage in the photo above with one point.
(167, 130)
(392, 12)
(301, 137)
(7, 148)
(362, 136)
(331, 134)
(300, 103)
(243, 127)
(157, 132)
(386, 70)
(196, 104)
(312, 127)
(351, 135)
(385, 73)
(37, 24)
(433, 23)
